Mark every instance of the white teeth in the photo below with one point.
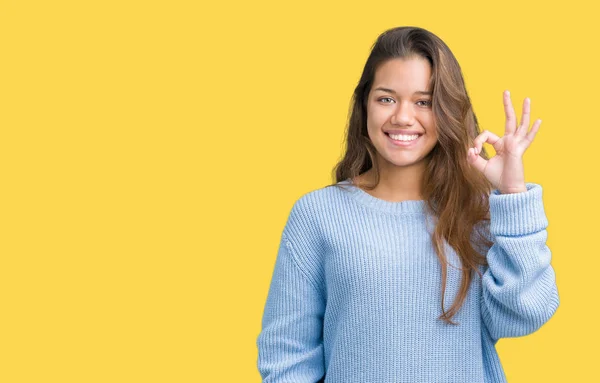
(402, 137)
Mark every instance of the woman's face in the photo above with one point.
(396, 105)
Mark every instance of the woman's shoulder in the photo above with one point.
(313, 212)
(323, 197)
(321, 203)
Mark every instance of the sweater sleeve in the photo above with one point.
(519, 292)
(290, 344)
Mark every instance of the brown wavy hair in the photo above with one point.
(455, 193)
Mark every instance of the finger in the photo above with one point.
(511, 121)
(531, 135)
(489, 137)
(524, 127)
(476, 160)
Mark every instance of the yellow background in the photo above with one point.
(151, 152)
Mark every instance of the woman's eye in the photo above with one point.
(424, 102)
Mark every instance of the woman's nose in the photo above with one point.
(404, 115)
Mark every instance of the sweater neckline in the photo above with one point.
(398, 207)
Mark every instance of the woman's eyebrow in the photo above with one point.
(392, 91)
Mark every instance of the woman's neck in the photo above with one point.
(397, 184)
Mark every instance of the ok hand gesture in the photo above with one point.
(505, 170)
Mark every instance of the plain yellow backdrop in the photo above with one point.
(151, 152)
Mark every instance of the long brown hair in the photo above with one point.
(456, 193)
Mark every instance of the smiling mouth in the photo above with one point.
(412, 139)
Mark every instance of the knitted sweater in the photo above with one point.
(355, 293)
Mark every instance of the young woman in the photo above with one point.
(419, 216)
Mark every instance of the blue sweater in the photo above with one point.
(356, 292)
